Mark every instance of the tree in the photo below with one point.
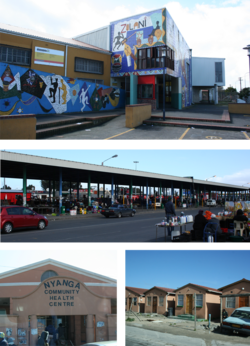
(6, 187)
(244, 93)
(30, 187)
(230, 90)
(65, 185)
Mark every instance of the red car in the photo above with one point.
(13, 217)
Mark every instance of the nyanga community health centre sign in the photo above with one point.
(61, 292)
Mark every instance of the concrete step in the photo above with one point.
(59, 130)
(225, 118)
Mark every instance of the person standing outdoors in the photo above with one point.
(170, 212)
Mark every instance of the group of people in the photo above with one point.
(201, 220)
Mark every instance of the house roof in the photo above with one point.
(165, 289)
(14, 30)
(234, 283)
(57, 264)
(139, 291)
(208, 289)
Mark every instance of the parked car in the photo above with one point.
(118, 210)
(211, 203)
(14, 217)
(102, 343)
(239, 321)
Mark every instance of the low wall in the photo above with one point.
(136, 114)
(18, 127)
(239, 108)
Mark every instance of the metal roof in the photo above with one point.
(14, 30)
(43, 168)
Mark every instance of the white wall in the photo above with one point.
(203, 71)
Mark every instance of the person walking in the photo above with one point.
(3, 342)
(170, 212)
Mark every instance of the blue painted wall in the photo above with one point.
(26, 91)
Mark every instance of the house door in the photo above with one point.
(243, 301)
(155, 304)
(189, 301)
(130, 302)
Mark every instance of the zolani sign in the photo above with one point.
(59, 295)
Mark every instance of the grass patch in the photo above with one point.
(130, 319)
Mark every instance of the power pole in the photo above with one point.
(240, 79)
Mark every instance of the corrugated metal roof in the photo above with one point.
(15, 30)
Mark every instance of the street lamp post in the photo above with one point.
(136, 164)
(109, 159)
(211, 177)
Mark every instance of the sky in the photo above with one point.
(174, 269)
(217, 29)
(200, 164)
(98, 261)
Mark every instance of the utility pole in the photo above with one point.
(240, 79)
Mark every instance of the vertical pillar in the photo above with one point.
(70, 186)
(133, 87)
(198, 196)
(181, 194)
(147, 195)
(89, 190)
(112, 189)
(160, 194)
(50, 190)
(54, 190)
(98, 190)
(164, 95)
(24, 186)
(90, 329)
(130, 193)
(34, 332)
(172, 191)
(103, 190)
(60, 189)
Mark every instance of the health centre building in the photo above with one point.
(52, 293)
(150, 58)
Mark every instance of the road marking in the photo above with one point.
(118, 135)
(213, 137)
(184, 134)
(245, 134)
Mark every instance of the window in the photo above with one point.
(145, 91)
(199, 300)
(27, 211)
(14, 55)
(88, 66)
(230, 302)
(218, 72)
(148, 301)
(48, 274)
(155, 57)
(113, 306)
(13, 211)
(180, 300)
(135, 301)
(161, 299)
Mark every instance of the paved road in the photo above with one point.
(138, 337)
(97, 228)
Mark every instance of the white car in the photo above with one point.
(102, 343)
(211, 202)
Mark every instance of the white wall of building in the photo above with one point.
(203, 71)
(99, 37)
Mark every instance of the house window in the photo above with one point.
(161, 299)
(48, 274)
(14, 55)
(135, 301)
(145, 91)
(113, 306)
(199, 300)
(180, 300)
(88, 66)
(230, 302)
(218, 72)
(148, 301)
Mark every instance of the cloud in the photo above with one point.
(239, 178)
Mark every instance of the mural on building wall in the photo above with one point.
(182, 59)
(27, 91)
(141, 31)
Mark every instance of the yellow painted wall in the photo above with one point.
(18, 127)
(239, 108)
(136, 114)
(29, 43)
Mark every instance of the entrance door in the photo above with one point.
(130, 302)
(243, 301)
(189, 301)
(154, 304)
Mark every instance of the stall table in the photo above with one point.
(165, 228)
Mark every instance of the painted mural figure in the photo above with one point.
(64, 89)
(118, 38)
(84, 98)
(53, 91)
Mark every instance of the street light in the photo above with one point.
(109, 159)
(211, 177)
(245, 184)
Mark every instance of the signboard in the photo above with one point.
(61, 292)
(52, 57)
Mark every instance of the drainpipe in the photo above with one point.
(66, 60)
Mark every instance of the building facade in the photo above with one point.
(160, 300)
(207, 301)
(207, 75)
(135, 299)
(238, 299)
(48, 293)
(46, 74)
(150, 59)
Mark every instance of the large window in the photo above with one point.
(161, 300)
(155, 57)
(230, 302)
(199, 300)
(135, 301)
(88, 66)
(13, 55)
(145, 91)
(180, 299)
(218, 72)
(148, 301)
